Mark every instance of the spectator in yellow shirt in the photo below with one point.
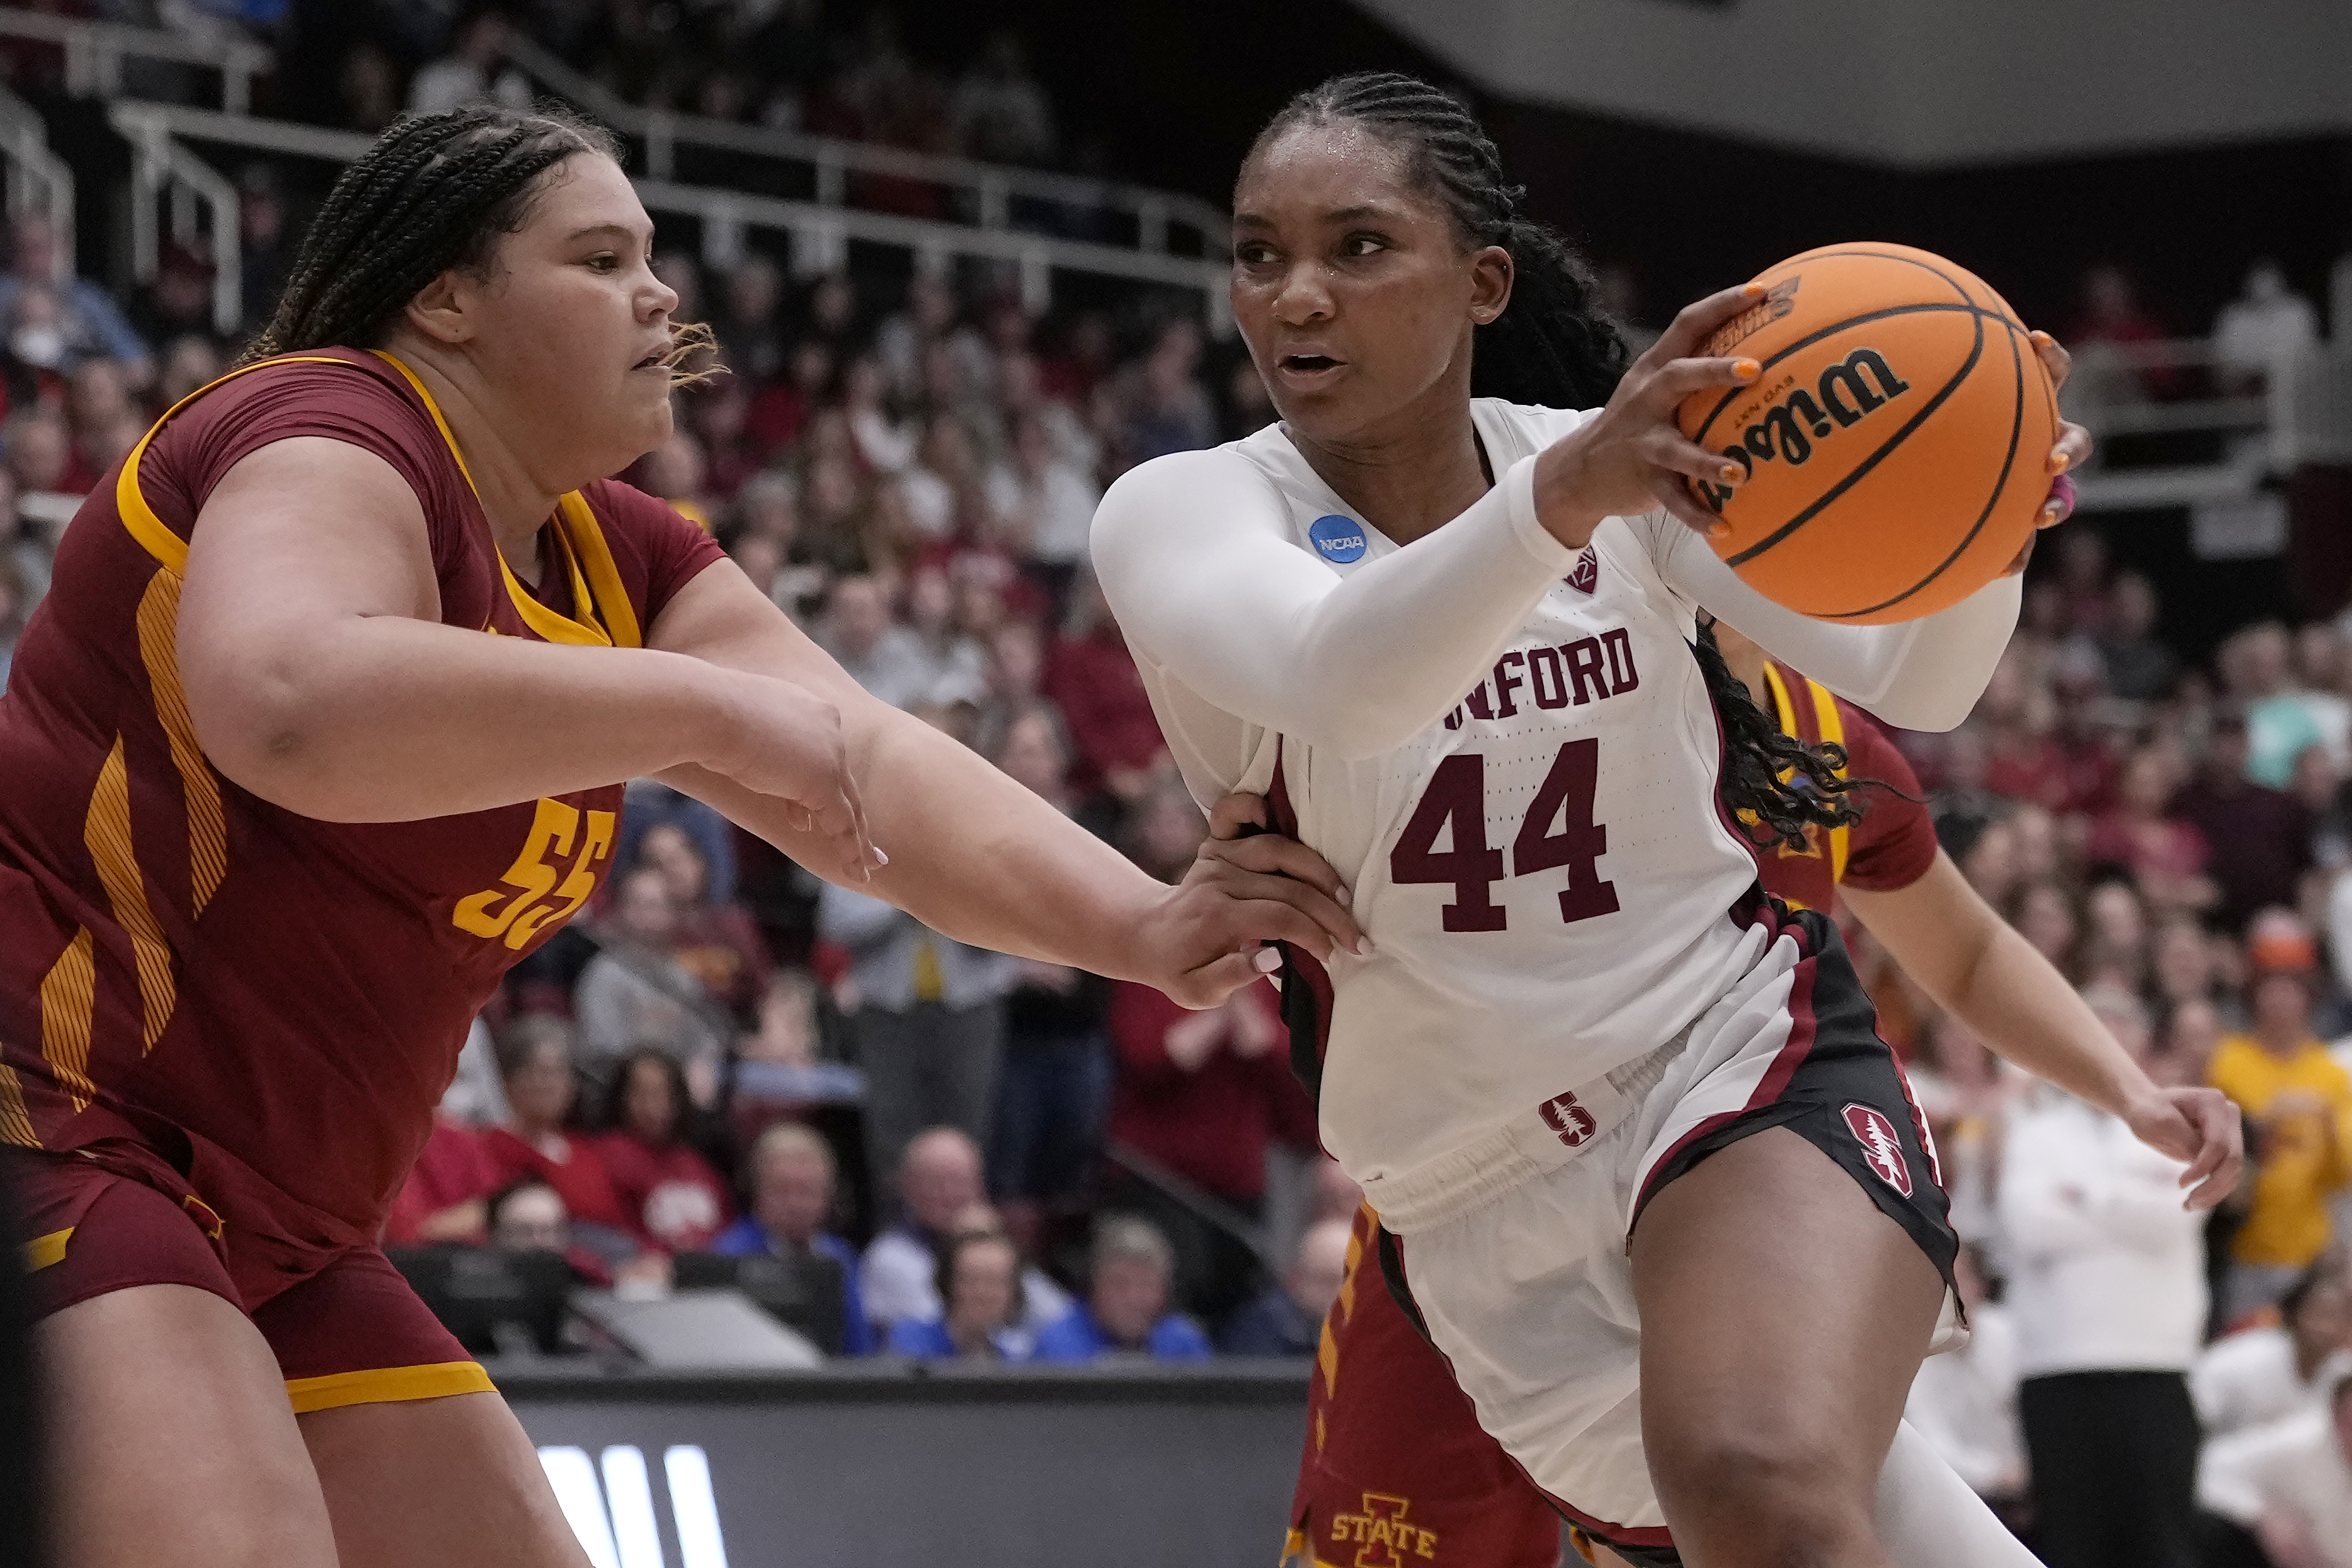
(2298, 1103)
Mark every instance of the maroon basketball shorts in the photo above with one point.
(1522, 1298)
(344, 1325)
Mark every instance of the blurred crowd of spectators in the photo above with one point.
(2177, 841)
(979, 1156)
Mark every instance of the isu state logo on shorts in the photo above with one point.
(1880, 1146)
(1382, 1533)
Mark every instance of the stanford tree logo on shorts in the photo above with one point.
(1880, 1146)
(1568, 1119)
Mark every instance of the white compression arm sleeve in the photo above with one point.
(1195, 556)
(1920, 674)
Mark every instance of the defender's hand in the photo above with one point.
(2201, 1126)
(1240, 893)
(782, 741)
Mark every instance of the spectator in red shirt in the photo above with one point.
(715, 942)
(2164, 854)
(2113, 314)
(447, 1192)
(542, 1090)
(1092, 678)
(1199, 1096)
(2267, 832)
(671, 1195)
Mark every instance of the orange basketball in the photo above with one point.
(1896, 445)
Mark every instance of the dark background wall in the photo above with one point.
(1689, 212)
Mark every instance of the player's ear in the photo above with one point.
(1490, 283)
(439, 310)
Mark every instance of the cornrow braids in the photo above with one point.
(1554, 345)
(436, 191)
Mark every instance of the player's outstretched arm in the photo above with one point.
(1975, 966)
(320, 677)
(974, 855)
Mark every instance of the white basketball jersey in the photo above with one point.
(1545, 873)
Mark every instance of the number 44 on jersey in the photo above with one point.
(1457, 800)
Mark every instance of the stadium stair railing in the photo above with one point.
(95, 52)
(164, 168)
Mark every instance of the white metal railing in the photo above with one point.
(163, 171)
(39, 179)
(163, 168)
(990, 189)
(95, 51)
(2265, 429)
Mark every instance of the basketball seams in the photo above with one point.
(1967, 302)
(1854, 476)
(2000, 488)
(1737, 393)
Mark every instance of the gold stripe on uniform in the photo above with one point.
(612, 599)
(42, 1250)
(388, 1385)
(159, 618)
(15, 1122)
(1833, 728)
(68, 993)
(553, 625)
(170, 550)
(108, 834)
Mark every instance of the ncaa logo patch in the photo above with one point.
(1880, 1146)
(1338, 539)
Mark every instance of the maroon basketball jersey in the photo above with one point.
(1894, 842)
(270, 1004)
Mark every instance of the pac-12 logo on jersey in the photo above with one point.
(1338, 539)
(1587, 575)
(1880, 1146)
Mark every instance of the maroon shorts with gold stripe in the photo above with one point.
(348, 1331)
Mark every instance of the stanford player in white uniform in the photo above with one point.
(1586, 1072)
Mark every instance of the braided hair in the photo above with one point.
(1555, 345)
(435, 191)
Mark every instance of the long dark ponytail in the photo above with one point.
(1555, 345)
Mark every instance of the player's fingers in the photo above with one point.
(2222, 1157)
(1308, 916)
(1238, 811)
(2073, 450)
(1664, 446)
(869, 853)
(2024, 554)
(2054, 357)
(2061, 504)
(1212, 983)
(1675, 496)
(1666, 386)
(1277, 856)
(1695, 322)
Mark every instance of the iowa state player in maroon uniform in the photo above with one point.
(322, 728)
(1397, 1472)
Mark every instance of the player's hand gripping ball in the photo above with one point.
(1893, 453)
